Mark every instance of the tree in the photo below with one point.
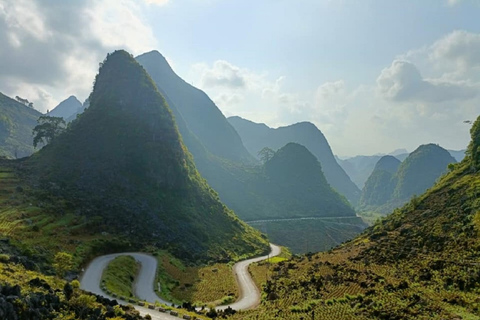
(62, 262)
(266, 154)
(47, 129)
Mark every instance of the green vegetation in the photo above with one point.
(119, 276)
(195, 113)
(16, 124)
(201, 285)
(256, 136)
(420, 262)
(48, 128)
(29, 294)
(309, 235)
(122, 164)
(392, 183)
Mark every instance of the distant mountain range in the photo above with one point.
(256, 136)
(359, 168)
(392, 183)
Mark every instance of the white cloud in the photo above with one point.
(252, 95)
(403, 82)
(157, 2)
(460, 49)
(51, 52)
(223, 74)
(453, 2)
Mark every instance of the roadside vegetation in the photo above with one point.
(200, 285)
(119, 276)
(420, 262)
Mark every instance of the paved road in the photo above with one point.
(249, 293)
(299, 219)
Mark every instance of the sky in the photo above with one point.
(372, 75)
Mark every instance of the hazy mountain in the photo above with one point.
(124, 162)
(256, 136)
(379, 187)
(294, 181)
(359, 168)
(201, 115)
(289, 188)
(457, 154)
(420, 170)
(421, 262)
(16, 124)
(386, 189)
(66, 108)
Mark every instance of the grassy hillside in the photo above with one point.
(16, 124)
(421, 262)
(123, 164)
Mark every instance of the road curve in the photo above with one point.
(249, 293)
(91, 278)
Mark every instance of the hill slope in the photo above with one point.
(291, 201)
(66, 108)
(386, 190)
(379, 187)
(200, 114)
(16, 124)
(256, 136)
(123, 161)
(421, 262)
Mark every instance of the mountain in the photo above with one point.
(16, 124)
(420, 262)
(457, 154)
(256, 136)
(201, 115)
(380, 185)
(294, 181)
(66, 108)
(123, 163)
(297, 205)
(420, 170)
(359, 168)
(386, 190)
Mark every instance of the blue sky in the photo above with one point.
(374, 76)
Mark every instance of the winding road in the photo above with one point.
(144, 284)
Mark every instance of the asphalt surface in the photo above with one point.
(144, 284)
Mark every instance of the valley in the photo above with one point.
(237, 160)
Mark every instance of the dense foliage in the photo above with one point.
(421, 262)
(123, 163)
(16, 124)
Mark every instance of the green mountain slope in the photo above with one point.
(387, 189)
(200, 114)
(290, 200)
(256, 136)
(420, 262)
(16, 124)
(359, 168)
(420, 169)
(379, 187)
(123, 161)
